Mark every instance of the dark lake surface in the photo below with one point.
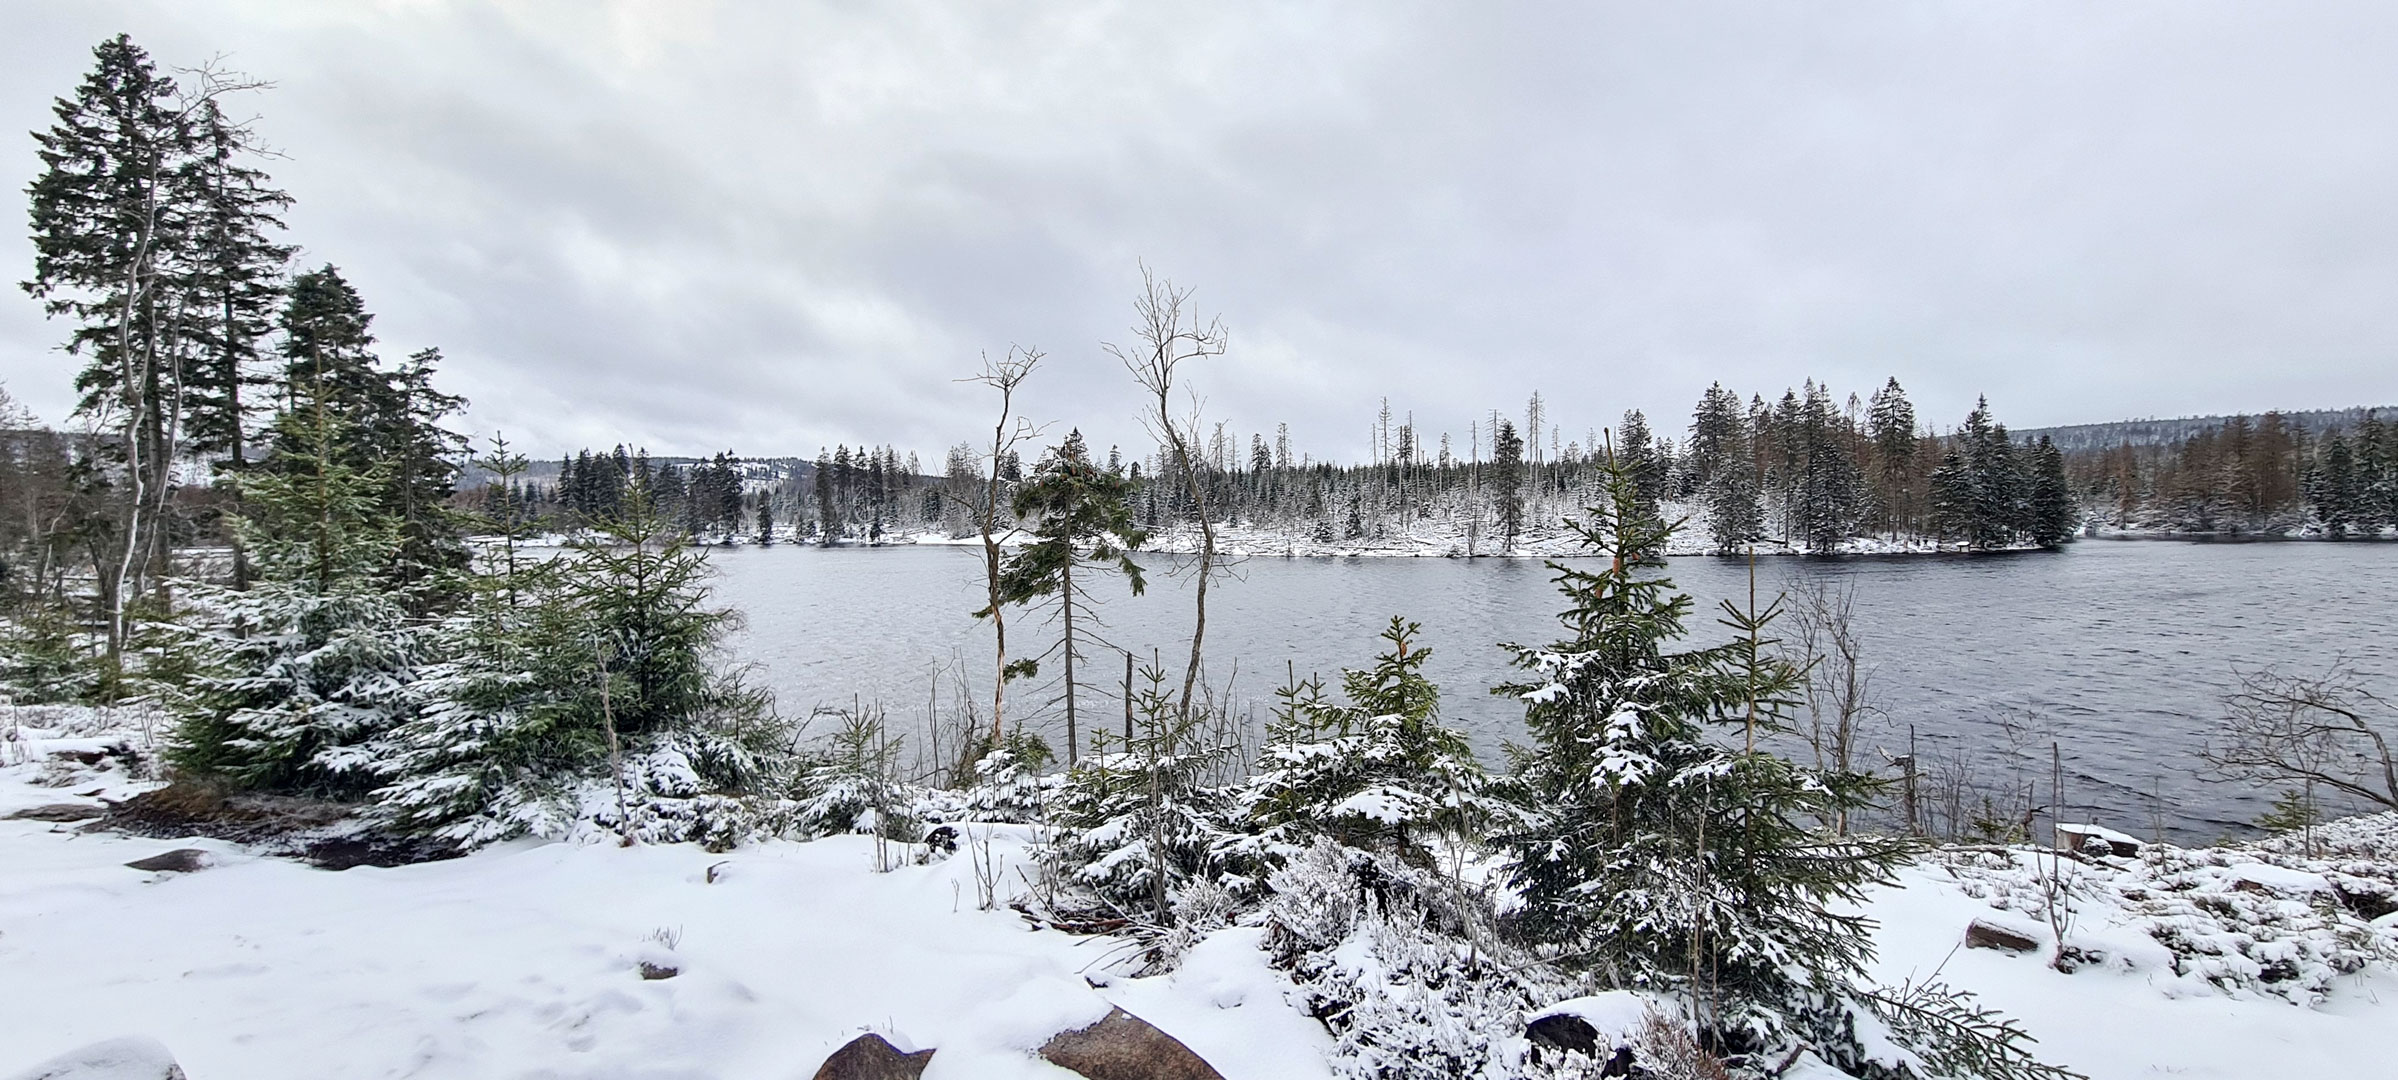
(2117, 651)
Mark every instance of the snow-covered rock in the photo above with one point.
(130, 1058)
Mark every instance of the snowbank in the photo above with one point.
(525, 960)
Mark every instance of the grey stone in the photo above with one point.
(1122, 1046)
(132, 1058)
(178, 861)
(1987, 935)
(869, 1057)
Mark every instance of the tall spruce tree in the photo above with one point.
(2051, 511)
(1890, 429)
(131, 244)
(1507, 483)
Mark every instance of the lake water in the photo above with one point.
(2118, 651)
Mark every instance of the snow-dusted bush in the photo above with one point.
(293, 684)
(1390, 959)
(2257, 919)
(1124, 819)
(1009, 788)
(43, 660)
(851, 783)
(1131, 827)
(561, 682)
(1378, 772)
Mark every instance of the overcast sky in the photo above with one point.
(770, 227)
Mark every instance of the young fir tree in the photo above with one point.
(299, 674)
(1081, 518)
(478, 759)
(584, 689)
(1378, 773)
(1137, 820)
(1660, 850)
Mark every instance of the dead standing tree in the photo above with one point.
(1003, 375)
(1167, 333)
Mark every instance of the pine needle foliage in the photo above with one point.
(588, 682)
(1660, 851)
(297, 675)
(1379, 772)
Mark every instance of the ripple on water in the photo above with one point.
(2120, 651)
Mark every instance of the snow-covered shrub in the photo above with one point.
(294, 677)
(1123, 819)
(1379, 772)
(557, 675)
(43, 660)
(294, 684)
(1008, 788)
(1388, 958)
(2247, 919)
(1132, 826)
(851, 784)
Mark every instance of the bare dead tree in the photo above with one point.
(2322, 731)
(1838, 680)
(1003, 375)
(1167, 333)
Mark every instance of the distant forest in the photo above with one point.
(1799, 473)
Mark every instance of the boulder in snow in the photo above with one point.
(2093, 839)
(133, 1058)
(179, 861)
(2260, 877)
(1984, 934)
(869, 1057)
(65, 811)
(1122, 1046)
(1600, 1026)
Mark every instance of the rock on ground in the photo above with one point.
(1122, 1046)
(868, 1057)
(132, 1058)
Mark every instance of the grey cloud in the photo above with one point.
(772, 227)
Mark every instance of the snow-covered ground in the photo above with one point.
(524, 961)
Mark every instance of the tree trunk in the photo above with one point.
(1073, 740)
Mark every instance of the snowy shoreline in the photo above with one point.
(524, 959)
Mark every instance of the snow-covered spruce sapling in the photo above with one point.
(853, 784)
(298, 674)
(547, 657)
(1651, 854)
(1379, 772)
(1136, 818)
